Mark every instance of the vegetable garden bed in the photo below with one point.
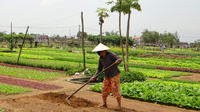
(28, 73)
(26, 83)
(175, 93)
(179, 69)
(8, 89)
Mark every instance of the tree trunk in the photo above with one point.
(48, 41)
(31, 43)
(15, 43)
(11, 41)
(83, 36)
(101, 25)
(121, 41)
(127, 39)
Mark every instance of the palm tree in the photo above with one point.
(118, 8)
(102, 13)
(128, 5)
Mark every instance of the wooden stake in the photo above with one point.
(83, 36)
(22, 45)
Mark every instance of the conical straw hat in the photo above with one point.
(100, 47)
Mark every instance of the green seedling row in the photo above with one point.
(8, 89)
(28, 73)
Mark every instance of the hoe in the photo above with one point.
(68, 98)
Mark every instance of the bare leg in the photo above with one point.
(106, 91)
(104, 101)
(119, 102)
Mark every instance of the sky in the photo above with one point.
(63, 17)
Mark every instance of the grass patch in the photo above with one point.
(28, 73)
(8, 89)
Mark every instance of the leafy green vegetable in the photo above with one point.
(124, 76)
(180, 94)
(131, 76)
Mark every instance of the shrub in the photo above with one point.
(114, 40)
(91, 71)
(132, 76)
(73, 70)
(124, 76)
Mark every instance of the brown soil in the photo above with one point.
(164, 55)
(8, 51)
(60, 98)
(83, 101)
(193, 77)
(26, 83)
(33, 68)
(179, 69)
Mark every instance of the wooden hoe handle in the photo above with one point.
(89, 81)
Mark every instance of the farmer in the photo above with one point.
(111, 80)
(162, 47)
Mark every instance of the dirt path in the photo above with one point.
(193, 77)
(83, 101)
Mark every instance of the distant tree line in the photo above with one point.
(196, 45)
(14, 39)
(155, 38)
(112, 40)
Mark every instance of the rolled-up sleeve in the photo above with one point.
(115, 57)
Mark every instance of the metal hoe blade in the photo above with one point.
(68, 101)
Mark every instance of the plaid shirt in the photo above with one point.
(107, 60)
